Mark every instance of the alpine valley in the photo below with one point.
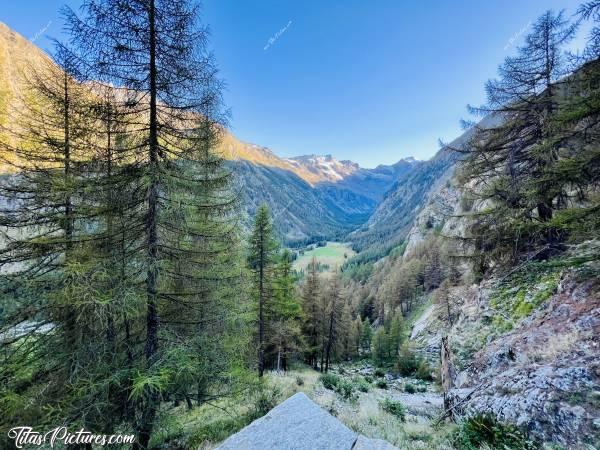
(186, 283)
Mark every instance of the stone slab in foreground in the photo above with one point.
(299, 424)
(365, 443)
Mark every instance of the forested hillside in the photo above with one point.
(338, 203)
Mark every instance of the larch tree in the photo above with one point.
(334, 306)
(313, 317)
(510, 151)
(286, 314)
(356, 335)
(395, 334)
(46, 223)
(261, 260)
(366, 336)
(181, 212)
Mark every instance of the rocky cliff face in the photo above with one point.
(544, 374)
(526, 344)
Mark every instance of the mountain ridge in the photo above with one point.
(340, 194)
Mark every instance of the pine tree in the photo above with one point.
(313, 314)
(261, 261)
(511, 150)
(356, 335)
(366, 336)
(380, 346)
(334, 305)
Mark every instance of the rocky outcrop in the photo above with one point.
(300, 424)
(544, 375)
(365, 443)
(527, 348)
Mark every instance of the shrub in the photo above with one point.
(331, 409)
(266, 400)
(329, 380)
(485, 430)
(423, 372)
(381, 384)
(379, 373)
(409, 388)
(407, 362)
(299, 381)
(340, 385)
(362, 385)
(421, 388)
(368, 379)
(393, 407)
(345, 388)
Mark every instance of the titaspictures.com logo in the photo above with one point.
(23, 436)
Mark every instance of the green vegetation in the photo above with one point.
(533, 164)
(521, 292)
(344, 387)
(408, 362)
(329, 380)
(381, 383)
(332, 255)
(362, 384)
(134, 304)
(393, 407)
(481, 431)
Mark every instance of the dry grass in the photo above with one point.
(363, 415)
(555, 345)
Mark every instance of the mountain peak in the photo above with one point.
(325, 167)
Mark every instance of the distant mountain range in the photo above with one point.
(338, 198)
(312, 197)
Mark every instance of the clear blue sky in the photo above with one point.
(371, 81)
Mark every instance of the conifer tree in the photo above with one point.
(380, 345)
(313, 314)
(261, 261)
(334, 305)
(285, 317)
(512, 149)
(356, 335)
(366, 336)
(49, 149)
(134, 197)
(346, 347)
(395, 334)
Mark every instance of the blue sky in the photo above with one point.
(371, 81)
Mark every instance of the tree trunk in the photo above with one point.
(329, 340)
(261, 329)
(448, 372)
(149, 409)
(278, 359)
